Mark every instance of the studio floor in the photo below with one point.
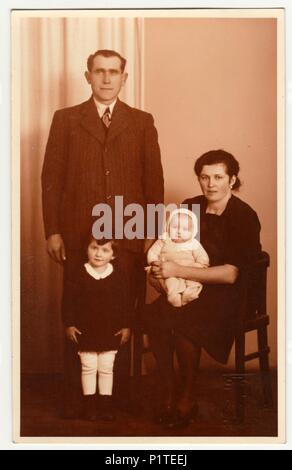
(40, 414)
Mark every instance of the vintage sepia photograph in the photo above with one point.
(148, 227)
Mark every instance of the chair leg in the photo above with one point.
(240, 378)
(264, 367)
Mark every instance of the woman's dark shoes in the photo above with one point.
(89, 411)
(106, 408)
(181, 419)
(164, 414)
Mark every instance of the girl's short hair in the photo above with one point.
(102, 241)
(219, 156)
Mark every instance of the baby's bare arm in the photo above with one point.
(154, 251)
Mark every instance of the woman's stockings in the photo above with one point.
(188, 355)
(161, 343)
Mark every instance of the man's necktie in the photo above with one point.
(106, 118)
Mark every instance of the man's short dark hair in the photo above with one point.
(106, 53)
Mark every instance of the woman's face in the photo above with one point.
(215, 182)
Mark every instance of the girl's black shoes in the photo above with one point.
(106, 408)
(89, 412)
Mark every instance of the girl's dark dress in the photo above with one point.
(231, 238)
(97, 307)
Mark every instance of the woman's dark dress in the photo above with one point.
(231, 238)
(97, 307)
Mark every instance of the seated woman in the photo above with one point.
(229, 232)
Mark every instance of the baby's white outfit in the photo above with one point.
(190, 253)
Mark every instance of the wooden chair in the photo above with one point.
(253, 316)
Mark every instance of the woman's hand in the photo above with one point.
(125, 335)
(71, 333)
(164, 269)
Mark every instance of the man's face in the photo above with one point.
(106, 78)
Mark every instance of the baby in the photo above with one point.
(179, 244)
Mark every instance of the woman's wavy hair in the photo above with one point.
(219, 156)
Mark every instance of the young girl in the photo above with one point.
(179, 244)
(96, 319)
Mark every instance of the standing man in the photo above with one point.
(97, 150)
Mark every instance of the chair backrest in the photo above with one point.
(254, 284)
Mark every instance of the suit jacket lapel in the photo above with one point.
(120, 120)
(91, 120)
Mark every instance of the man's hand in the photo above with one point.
(71, 333)
(125, 335)
(56, 248)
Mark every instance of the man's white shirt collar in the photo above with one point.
(107, 272)
(101, 107)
